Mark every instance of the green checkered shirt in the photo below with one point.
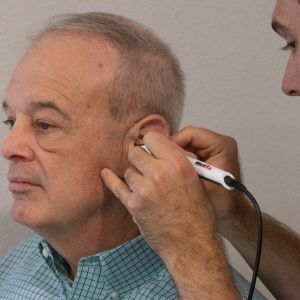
(34, 270)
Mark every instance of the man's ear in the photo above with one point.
(149, 123)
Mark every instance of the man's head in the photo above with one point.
(286, 22)
(148, 80)
(89, 85)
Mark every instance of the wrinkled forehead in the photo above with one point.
(71, 64)
(74, 55)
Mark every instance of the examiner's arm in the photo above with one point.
(280, 261)
(163, 194)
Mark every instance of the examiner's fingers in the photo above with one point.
(143, 161)
(195, 137)
(133, 178)
(162, 147)
(119, 188)
(206, 143)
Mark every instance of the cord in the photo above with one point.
(239, 186)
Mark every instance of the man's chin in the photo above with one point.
(22, 211)
(19, 212)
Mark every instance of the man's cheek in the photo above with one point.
(54, 141)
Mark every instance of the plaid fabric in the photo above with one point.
(131, 271)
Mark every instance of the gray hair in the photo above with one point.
(149, 79)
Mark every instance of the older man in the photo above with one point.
(90, 88)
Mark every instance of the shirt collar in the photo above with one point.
(130, 264)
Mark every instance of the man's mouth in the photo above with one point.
(20, 184)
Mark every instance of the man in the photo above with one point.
(89, 90)
(280, 261)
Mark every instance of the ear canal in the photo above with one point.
(140, 139)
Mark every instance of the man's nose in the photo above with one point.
(17, 144)
(291, 79)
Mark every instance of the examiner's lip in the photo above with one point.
(21, 184)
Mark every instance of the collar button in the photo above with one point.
(45, 253)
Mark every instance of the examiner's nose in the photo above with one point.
(291, 79)
(16, 145)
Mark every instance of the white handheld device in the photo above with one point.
(206, 171)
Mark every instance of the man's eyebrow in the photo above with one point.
(40, 105)
(36, 106)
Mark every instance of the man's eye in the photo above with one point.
(289, 46)
(9, 122)
(44, 126)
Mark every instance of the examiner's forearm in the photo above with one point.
(280, 260)
(201, 271)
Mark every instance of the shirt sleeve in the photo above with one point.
(243, 286)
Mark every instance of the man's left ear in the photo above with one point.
(150, 123)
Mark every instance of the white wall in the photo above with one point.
(233, 70)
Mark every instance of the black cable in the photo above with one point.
(239, 186)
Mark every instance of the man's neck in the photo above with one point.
(100, 233)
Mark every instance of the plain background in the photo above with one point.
(233, 66)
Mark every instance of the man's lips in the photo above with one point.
(21, 183)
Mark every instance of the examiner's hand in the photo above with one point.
(164, 195)
(168, 202)
(220, 151)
